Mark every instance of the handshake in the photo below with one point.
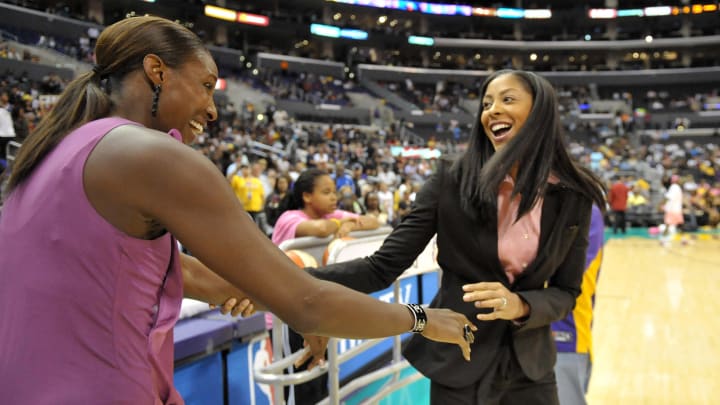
(437, 324)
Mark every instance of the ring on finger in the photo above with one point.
(468, 335)
(504, 302)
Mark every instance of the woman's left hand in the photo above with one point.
(504, 304)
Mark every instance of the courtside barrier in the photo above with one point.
(344, 352)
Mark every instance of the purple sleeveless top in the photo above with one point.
(86, 311)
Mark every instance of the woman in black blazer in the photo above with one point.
(517, 185)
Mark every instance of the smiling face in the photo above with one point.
(506, 106)
(186, 99)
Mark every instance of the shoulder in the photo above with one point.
(292, 215)
(445, 163)
(140, 145)
(443, 177)
(566, 193)
(132, 156)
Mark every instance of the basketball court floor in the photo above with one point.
(657, 331)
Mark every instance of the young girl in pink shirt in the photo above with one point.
(313, 211)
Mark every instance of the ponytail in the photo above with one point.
(119, 51)
(82, 101)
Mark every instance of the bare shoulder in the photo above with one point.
(136, 146)
(130, 155)
(135, 173)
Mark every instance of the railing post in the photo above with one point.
(277, 345)
(397, 339)
(272, 374)
(333, 373)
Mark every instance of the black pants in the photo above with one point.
(619, 221)
(3, 145)
(508, 385)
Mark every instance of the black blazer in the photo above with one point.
(467, 253)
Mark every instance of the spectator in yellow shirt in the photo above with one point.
(254, 202)
(636, 198)
(237, 182)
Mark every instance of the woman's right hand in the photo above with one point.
(444, 325)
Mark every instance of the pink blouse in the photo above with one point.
(517, 241)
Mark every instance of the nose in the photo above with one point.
(494, 108)
(211, 111)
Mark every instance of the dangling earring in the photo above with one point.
(155, 100)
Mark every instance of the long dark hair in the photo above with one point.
(539, 148)
(287, 179)
(120, 49)
(305, 183)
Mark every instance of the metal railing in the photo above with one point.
(273, 373)
(261, 149)
(11, 150)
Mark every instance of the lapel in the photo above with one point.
(553, 205)
(557, 208)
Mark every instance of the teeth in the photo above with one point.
(498, 127)
(196, 126)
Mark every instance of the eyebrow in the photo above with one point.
(211, 73)
(502, 91)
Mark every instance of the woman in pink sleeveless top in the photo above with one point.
(91, 275)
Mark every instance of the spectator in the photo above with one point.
(7, 128)
(274, 204)
(341, 178)
(312, 212)
(573, 334)
(618, 198)
(372, 205)
(673, 209)
(348, 201)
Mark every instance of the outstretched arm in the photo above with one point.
(398, 251)
(168, 182)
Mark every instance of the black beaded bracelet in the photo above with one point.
(420, 317)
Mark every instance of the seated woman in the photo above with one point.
(372, 204)
(313, 211)
(274, 202)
